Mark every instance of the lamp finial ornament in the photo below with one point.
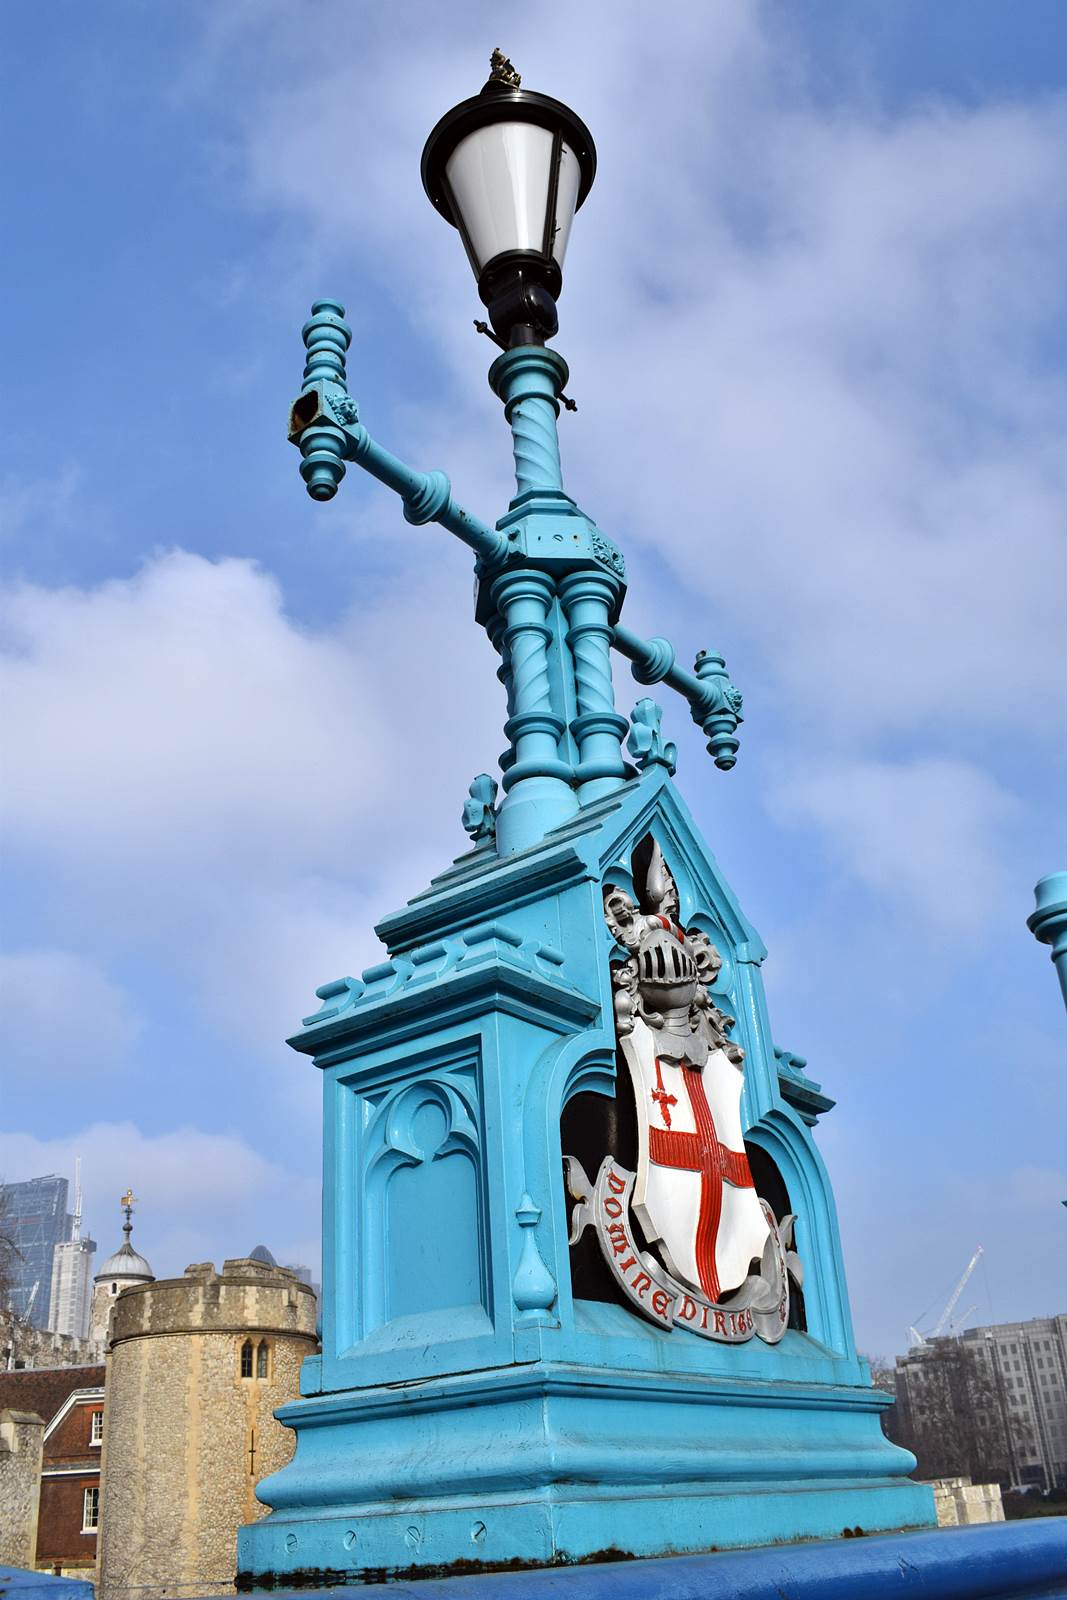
(501, 71)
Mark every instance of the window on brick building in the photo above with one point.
(263, 1359)
(96, 1428)
(246, 1359)
(91, 1510)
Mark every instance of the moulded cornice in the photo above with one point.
(561, 1380)
(453, 986)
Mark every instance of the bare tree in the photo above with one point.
(951, 1413)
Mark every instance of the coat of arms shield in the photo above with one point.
(708, 1252)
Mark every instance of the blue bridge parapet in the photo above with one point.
(1005, 1561)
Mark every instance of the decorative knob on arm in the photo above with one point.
(718, 710)
(324, 402)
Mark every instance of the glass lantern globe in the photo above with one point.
(509, 169)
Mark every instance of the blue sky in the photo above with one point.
(815, 315)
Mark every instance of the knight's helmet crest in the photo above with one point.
(666, 979)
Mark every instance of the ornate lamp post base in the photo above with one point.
(485, 1393)
(583, 1294)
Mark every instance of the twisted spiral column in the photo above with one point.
(495, 629)
(588, 598)
(529, 380)
(538, 794)
(536, 445)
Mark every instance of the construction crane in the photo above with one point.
(76, 1220)
(920, 1340)
(957, 1322)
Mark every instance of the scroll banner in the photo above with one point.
(760, 1306)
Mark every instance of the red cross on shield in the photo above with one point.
(694, 1194)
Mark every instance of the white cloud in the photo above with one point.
(228, 791)
(807, 340)
(922, 833)
(197, 1192)
(61, 1016)
(852, 455)
(164, 715)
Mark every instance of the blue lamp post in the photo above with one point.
(525, 1361)
(509, 168)
(1048, 921)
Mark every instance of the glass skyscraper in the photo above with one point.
(34, 1217)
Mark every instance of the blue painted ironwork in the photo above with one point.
(479, 808)
(1048, 921)
(16, 1583)
(471, 1403)
(713, 701)
(646, 743)
(459, 1366)
(1005, 1561)
(324, 425)
(551, 585)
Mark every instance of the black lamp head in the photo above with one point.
(509, 168)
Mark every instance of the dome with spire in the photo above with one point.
(126, 1263)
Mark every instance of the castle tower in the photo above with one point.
(120, 1271)
(197, 1366)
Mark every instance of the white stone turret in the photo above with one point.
(120, 1271)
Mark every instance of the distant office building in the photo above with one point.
(991, 1404)
(36, 1220)
(72, 1287)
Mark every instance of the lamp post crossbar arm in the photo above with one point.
(427, 496)
(325, 427)
(713, 700)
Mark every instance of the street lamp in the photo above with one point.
(502, 1012)
(509, 169)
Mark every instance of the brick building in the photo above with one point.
(64, 1502)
